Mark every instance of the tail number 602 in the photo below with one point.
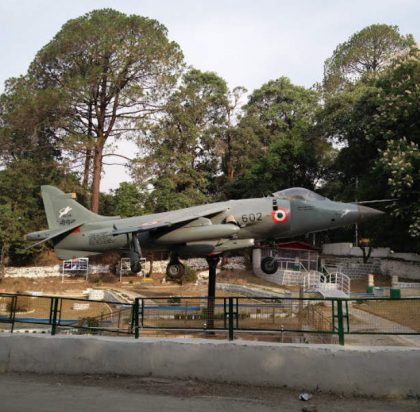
(252, 217)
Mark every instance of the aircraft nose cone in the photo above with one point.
(366, 213)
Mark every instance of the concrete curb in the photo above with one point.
(378, 371)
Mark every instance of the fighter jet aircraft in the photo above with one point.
(198, 231)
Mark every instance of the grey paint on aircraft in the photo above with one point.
(196, 231)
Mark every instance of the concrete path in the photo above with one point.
(48, 393)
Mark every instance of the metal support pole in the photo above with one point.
(13, 306)
(54, 304)
(212, 262)
(136, 307)
(340, 322)
(230, 318)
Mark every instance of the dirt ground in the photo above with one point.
(402, 312)
(149, 287)
(153, 286)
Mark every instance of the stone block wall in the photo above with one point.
(354, 268)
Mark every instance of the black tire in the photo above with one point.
(269, 265)
(135, 266)
(175, 271)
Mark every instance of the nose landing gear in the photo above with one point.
(269, 265)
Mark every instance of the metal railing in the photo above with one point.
(332, 318)
(319, 282)
(287, 264)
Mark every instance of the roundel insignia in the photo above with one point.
(280, 216)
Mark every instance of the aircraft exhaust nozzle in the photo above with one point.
(366, 213)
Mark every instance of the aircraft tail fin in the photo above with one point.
(63, 211)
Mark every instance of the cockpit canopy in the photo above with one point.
(299, 193)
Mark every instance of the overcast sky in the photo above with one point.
(247, 42)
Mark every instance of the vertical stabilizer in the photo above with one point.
(62, 210)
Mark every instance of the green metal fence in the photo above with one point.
(331, 318)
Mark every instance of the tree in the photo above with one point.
(21, 208)
(9, 233)
(184, 150)
(289, 162)
(112, 70)
(275, 142)
(280, 107)
(28, 118)
(376, 123)
(129, 200)
(401, 163)
(229, 135)
(395, 129)
(365, 53)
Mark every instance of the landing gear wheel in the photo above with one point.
(269, 265)
(135, 254)
(175, 271)
(135, 267)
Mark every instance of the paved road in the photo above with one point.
(26, 392)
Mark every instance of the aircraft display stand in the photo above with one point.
(211, 295)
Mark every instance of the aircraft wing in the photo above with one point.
(168, 219)
(144, 227)
(46, 235)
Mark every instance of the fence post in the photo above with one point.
(230, 318)
(225, 314)
(54, 304)
(340, 322)
(136, 317)
(13, 305)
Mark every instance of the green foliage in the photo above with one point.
(11, 228)
(401, 162)
(129, 200)
(166, 195)
(281, 107)
(190, 275)
(288, 162)
(21, 205)
(276, 142)
(184, 147)
(27, 120)
(376, 121)
(364, 54)
(111, 69)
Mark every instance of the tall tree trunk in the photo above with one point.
(97, 170)
(229, 169)
(3, 259)
(86, 171)
(228, 157)
(88, 158)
